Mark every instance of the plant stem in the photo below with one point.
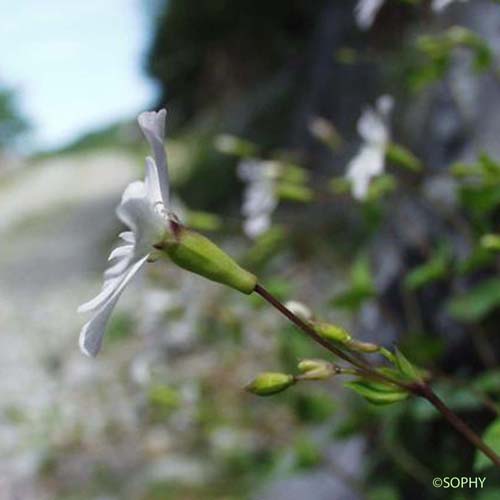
(455, 421)
(364, 369)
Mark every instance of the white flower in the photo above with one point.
(144, 209)
(439, 5)
(369, 162)
(260, 198)
(366, 11)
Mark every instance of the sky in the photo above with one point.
(76, 65)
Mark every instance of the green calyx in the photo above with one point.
(196, 253)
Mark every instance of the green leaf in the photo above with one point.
(434, 269)
(403, 157)
(361, 273)
(477, 303)
(491, 242)
(377, 393)
(405, 367)
(352, 299)
(480, 199)
(362, 287)
(492, 438)
(488, 382)
(478, 258)
(380, 186)
(294, 192)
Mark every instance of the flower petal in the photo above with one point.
(368, 163)
(153, 127)
(127, 236)
(366, 11)
(92, 332)
(123, 251)
(255, 226)
(152, 182)
(146, 223)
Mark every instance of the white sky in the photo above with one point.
(77, 64)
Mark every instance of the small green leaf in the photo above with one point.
(403, 157)
(377, 393)
(477, 303)
(492, 438)
(380, 186)
(294, 192)
(434, 269)
(480, 199)
(362, 287)
(488, 382)
(491, 242)
(405, 367)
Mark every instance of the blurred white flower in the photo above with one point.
(366, 11)
(439, 5)
(144, 209)
(369, 162)
(260, 197)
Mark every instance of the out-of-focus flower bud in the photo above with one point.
(269, 383)
(300, 310)
(325, 132)
(230, 144)
(358, 346)
(196, 253)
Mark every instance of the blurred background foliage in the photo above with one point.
(161, 414)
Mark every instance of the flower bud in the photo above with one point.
(325, 131)
(196, 253)
(300, 310)
(269, 383)
(316, 369)
(358, 346)
(331, 332)
(230, 144)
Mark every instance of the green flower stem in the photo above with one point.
(418, 389)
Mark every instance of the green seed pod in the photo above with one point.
(269, 383)
(196, 253)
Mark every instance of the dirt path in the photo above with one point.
(56, 220)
